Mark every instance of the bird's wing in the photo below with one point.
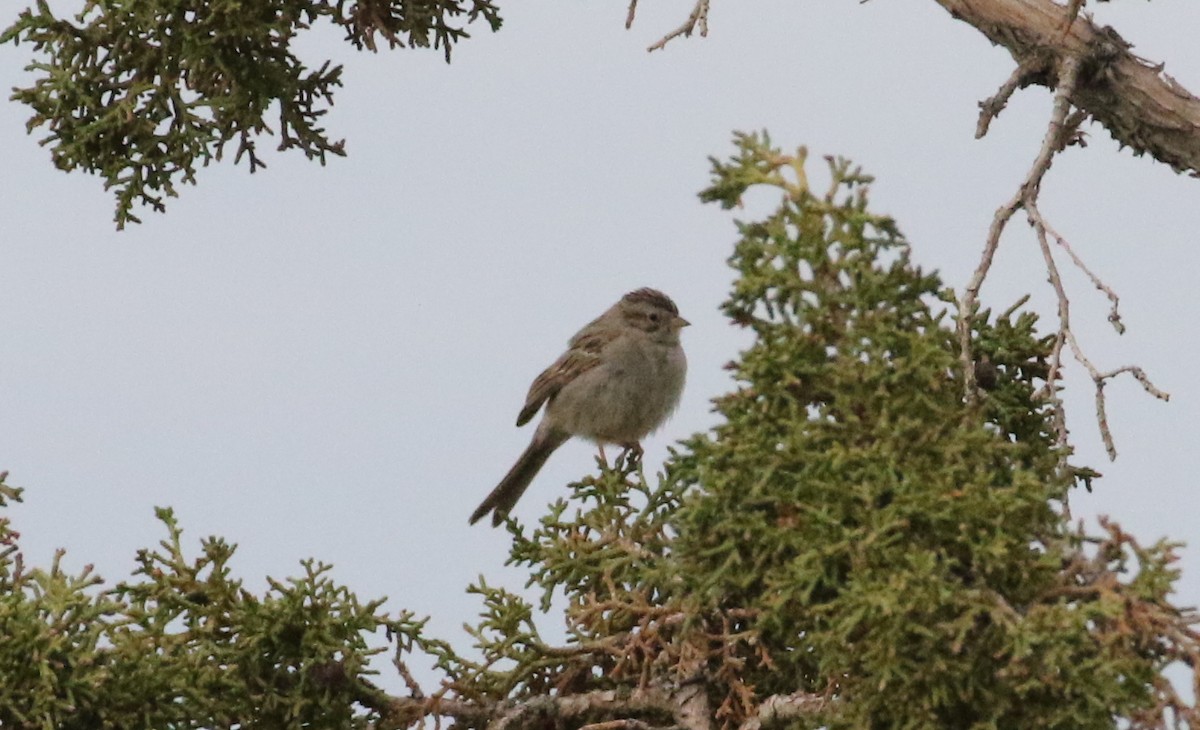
(583, 355)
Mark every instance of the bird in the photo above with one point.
(619, 380)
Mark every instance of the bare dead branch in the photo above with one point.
(1066, 335)
(698, 18)
(402, 712)
(1057, 135)
(1064, 327)
(655, 708)
(410, 682)
(1021, 77)
(1051, 144)
(670, 706)
(622, 725)
(1100, 379)
(969, 304)
(1061, 132)
(638, 705)
(1092, 70)
(1114, 313)
(1141, 107)
(779, 709)
(1140, 376)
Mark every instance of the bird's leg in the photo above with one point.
(632, 453)
(603, 458)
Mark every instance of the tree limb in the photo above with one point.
(698, 18)
(1061, 132)
(778, 710)
(1051, 144)
(1140, 106)
(640, 708)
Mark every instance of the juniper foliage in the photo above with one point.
(855, 545)
(142, 92)
(179, 644)
(852, 532)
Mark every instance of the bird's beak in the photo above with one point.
(680, 322)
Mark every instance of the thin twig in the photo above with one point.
(1114, 312)
(1061, 130)
(991, 107)
(1100, 379)
(611, 645)
(1140, 376)
(1056, 135)
(414, 689)
(1055, 140)
(970, 300)
(698, 18)
(1051, 145)
(1064, 325)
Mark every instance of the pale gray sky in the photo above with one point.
(327, 361)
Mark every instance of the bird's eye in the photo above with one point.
(654, 316)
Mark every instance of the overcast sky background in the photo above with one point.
(328, 361)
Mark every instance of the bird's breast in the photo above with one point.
(624, 398)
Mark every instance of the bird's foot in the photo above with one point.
(631, 453)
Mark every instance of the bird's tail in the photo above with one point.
(513, 485)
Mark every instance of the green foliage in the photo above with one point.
(853, 531)
(891, 542)
(855, 545)
(181, 644)
(141, 92)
